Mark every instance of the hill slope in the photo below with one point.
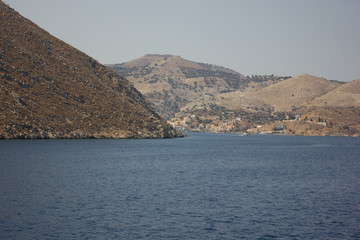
(173, 84)
(346, 95)
(295, 92)
(204, 97)
(51, 90)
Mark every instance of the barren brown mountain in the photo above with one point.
(295, 92)
(173, 84)
(49, 89)
(220, 99)
(347, 95)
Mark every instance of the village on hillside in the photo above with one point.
(310, 123)
(192, 123)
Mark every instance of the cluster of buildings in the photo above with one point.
(192, 123)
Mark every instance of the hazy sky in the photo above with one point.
(282, 37)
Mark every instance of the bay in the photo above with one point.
(205, 186)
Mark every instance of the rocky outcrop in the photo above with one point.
(49, 89)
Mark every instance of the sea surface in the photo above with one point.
(205, 186)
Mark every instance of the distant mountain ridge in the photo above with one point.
(49, 89)
(178, 88)
(173, 84)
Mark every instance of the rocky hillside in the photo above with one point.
(173, 84)
(204, 97)
(49, 89)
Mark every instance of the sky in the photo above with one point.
(252, 37)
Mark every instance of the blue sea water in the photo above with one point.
(205, 186)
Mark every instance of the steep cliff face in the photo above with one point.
(49, 89)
